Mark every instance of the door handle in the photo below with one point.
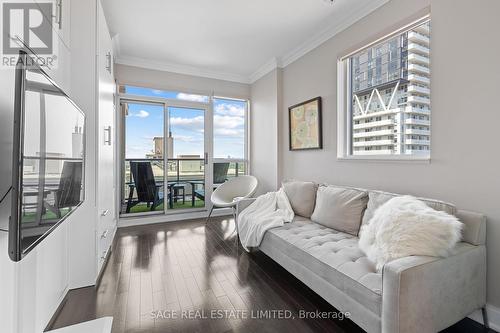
(108, 62)
(104, 255)
(105, 212)
(104, 234)
(58, 16)
(206, 158)
(107, 135)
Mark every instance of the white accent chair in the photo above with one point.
(228, 193)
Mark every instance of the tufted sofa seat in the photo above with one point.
(411, 294)
(333, 255)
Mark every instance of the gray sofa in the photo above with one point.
(411, 294)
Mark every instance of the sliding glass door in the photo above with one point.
(143, 168)
(187, 156)
(165, 157)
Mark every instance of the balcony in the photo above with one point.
(373, 133)
(419, 99)
(422, 29)
(418, 89)
(416, 37)
(417, 142)
(417, 152)
(419, 79)
(185, 183)
(414, 47)
(385, 142)
(410, 109)
(418, 69)
(412, 121)
(375, 114)
(373, 152)
(414, 58)
(417, 131)
(385, 122)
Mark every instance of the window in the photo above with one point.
(230, 134)
(386, 81)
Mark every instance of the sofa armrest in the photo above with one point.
(428, 294)
(242, 204)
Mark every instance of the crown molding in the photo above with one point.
(265, 69)
(354, 15)
(181, 69)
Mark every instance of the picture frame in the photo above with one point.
(305, 125)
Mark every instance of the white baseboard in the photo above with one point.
(161, 218)
(493, 317)
(100, 325)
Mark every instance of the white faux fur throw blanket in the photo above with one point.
(268, 211)
(405, 226)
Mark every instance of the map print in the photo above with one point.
(304, 126)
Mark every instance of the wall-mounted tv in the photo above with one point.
(47, 160)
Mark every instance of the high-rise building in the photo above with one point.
(158, 147)
(391, 96)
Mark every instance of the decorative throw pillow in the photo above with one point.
(301, 195)
(405, 226)
(340, 208)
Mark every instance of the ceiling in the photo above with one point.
(235, 40)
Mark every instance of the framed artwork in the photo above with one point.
(304, 124)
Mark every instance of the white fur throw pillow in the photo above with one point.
(405, 226)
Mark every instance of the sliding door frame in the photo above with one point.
(166, 103)
(207, 154)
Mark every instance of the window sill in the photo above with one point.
(386, 158)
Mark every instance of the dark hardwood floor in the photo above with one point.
(185, 269)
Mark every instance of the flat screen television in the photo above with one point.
(47, 157)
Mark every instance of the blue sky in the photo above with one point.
(187, 125)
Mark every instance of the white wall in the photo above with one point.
(264, 128)
(149, 78)
(465, 114)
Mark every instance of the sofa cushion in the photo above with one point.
(340, 208)
(333, 255)
(378, 198)
(302, 196)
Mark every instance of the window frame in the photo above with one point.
(246, 157)
(344, 106)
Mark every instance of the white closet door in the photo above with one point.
(105, 145)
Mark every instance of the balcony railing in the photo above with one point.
(414, 68)
(184, 176)
(418, 37)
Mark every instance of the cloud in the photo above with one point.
(192, 97)
(229, 132)
(157, 92)
(140, 114)
(227, 109)
(223, 125)
(228, 121)
(192, 124)
(138, 151)
(186, 138)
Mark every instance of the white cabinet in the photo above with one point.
(106, 208)
(61, 25)
(59, 69)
